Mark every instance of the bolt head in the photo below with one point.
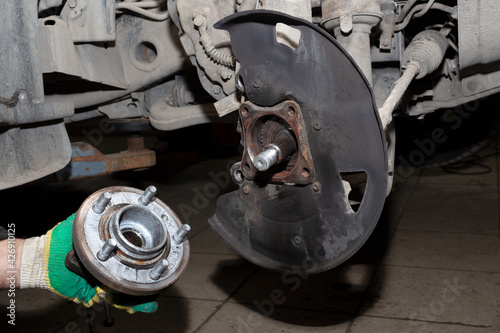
(225, 75)
(316, 187)
(246, 189)
(346, 24)
(244, 111)
(198, 20)
(472, 85)
(216, 90)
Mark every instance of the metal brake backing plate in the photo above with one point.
(310, 106)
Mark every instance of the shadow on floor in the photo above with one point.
(340, 290)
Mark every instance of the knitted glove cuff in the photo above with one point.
(34, 264)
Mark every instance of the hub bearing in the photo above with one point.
(130, 241)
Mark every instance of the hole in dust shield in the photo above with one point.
(354, 187)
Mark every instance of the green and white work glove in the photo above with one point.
(42, 266)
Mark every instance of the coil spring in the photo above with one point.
(216, 55)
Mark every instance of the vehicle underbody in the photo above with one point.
(316, 89)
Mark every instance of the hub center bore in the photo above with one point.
(139, 232)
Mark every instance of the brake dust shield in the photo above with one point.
(318, 208)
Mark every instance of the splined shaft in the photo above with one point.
(281, 147)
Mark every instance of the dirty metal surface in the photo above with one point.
(305, 228)
(480, 59)
(29, 151)
(21, 90)
(90, 21)
(336, 9)
(214, 77)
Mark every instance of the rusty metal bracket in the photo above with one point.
(300, 167)
(88, 161)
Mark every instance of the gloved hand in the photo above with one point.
(42, 266)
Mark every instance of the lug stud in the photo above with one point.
(181, 233)
(106, 250)
(101, 203)
(147, 196)
(159, 269)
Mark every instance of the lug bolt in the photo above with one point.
(146, 197)
(106, 250)
(159, 269)
(101, 203)
(316, 187)
(181, 234)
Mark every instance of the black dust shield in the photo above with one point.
(318, 204)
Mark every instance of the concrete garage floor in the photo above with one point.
(432, 264)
